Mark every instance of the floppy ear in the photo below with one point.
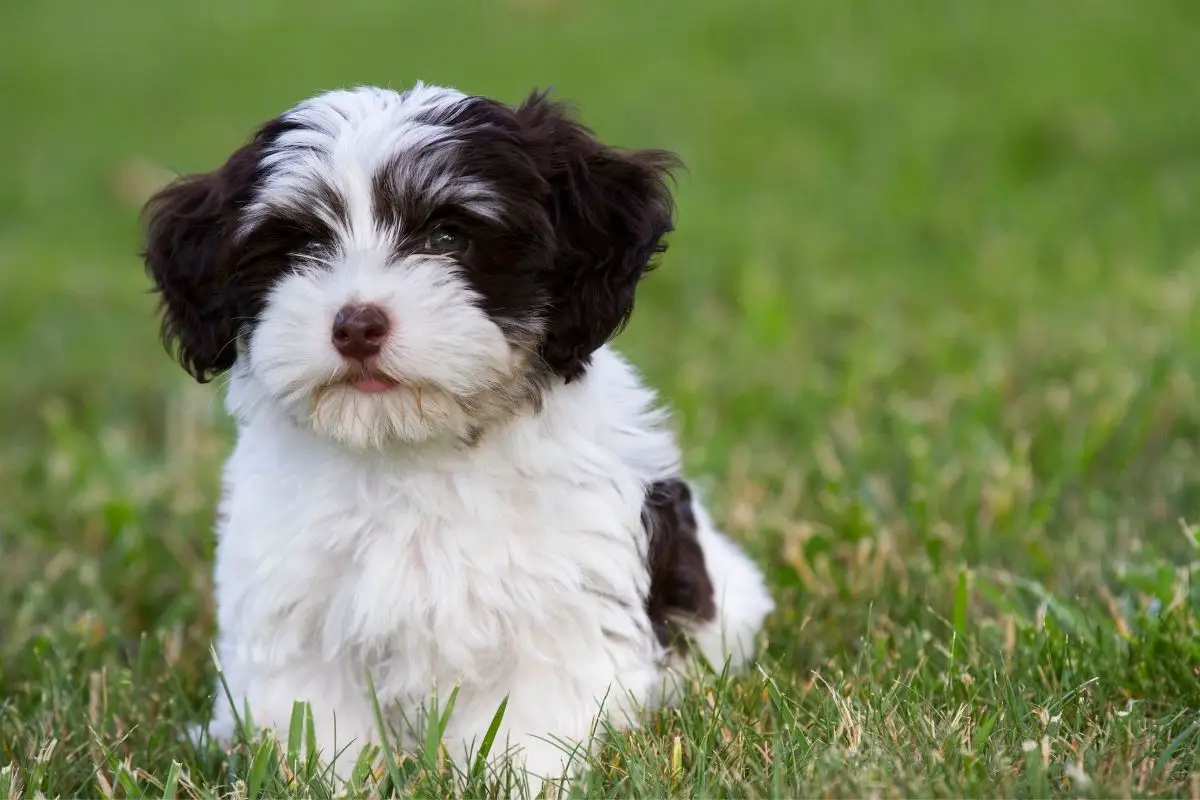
(610, 209)
(190, 255)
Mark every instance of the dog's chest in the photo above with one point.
(443, 572)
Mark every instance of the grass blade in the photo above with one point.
(171, 788)
(436, 728)
(485, 747)
(296, 733)
(393, 767)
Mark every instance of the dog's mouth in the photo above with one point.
(368, 381)
(372, 383)
(408, 401)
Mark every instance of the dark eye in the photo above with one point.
(446, 240)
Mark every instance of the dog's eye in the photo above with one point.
(446, 240)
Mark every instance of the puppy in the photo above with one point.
(443, 475)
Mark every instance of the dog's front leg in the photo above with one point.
(554, 717)
(258, 696)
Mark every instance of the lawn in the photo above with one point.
(928, 323)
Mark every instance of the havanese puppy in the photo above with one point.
(443, 476)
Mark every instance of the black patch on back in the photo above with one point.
(680, 587)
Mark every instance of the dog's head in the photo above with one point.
(402, 266)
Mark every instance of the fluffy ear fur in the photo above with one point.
(610, 209)
(191, 256)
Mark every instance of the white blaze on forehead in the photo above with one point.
(342, 140)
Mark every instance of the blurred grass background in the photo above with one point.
(928, 322)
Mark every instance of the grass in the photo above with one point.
(929, 323)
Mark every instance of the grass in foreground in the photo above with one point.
(928, 322)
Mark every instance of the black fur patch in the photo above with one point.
(212, 283)
(680, 587)
(610, 210)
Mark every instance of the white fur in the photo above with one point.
(441, 341)
(511, 568)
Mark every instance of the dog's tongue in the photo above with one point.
(373, 385)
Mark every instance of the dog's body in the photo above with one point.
(462, 485)
(514, 568)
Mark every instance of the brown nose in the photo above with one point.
(359, 331)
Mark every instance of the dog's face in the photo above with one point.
(403, 266)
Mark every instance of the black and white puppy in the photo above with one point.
(443, 474)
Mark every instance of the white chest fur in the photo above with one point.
(482, 566)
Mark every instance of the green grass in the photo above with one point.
(929, 323)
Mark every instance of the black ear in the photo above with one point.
(610, 209)
(190, 255)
